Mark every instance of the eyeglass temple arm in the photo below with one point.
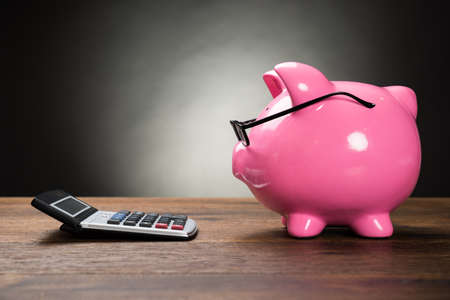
(305, 104)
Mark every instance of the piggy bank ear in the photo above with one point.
(274, 83)
(303, 82)
(405, 96)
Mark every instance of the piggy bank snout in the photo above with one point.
(238, 160)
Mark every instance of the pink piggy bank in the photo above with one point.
(335, 161)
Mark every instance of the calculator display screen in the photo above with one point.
(71, 205)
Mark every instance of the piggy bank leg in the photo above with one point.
(283, 221)
(304, 225)
(377, 225)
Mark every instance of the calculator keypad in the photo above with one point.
(165, 221)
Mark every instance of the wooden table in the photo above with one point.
(241, 252)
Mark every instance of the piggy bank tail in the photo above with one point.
(405, 96)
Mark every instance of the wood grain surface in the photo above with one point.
(241, 252)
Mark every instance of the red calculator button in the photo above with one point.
(161, 225)
(177, 227)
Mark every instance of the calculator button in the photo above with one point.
(151, 220)
(153, 215)
(130, 223)
(145, 224)
(180, 217)
(125, 212)
(138, 213)
(179, 222)
(177, 227)
(161, 225)
(164, 220)
(118, 216)
(134, 217)
(113, 221)
(166, 216)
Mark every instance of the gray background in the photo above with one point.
(133, 97)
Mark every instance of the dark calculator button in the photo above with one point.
(166, 216)
(164, 220)
(125, 212)
(138, 213)
(113, 221)
(180, 217)
(179, 222)
(150, 214)
(148, 219)
(145, 224)
(129, 223)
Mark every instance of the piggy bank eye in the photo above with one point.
(267, 108)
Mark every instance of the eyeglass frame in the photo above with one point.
(240, 127)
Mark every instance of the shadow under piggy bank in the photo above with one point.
(339, 251)
(342, 240)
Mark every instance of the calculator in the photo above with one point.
(79, 217)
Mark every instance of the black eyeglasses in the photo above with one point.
(240, 127)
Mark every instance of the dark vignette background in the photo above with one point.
(134, 97)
